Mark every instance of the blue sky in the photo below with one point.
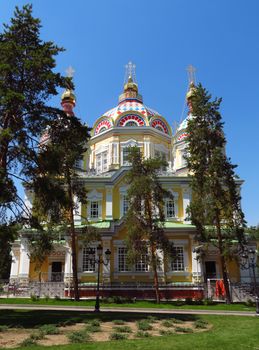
(220, 38)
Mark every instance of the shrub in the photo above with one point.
(37, 336)
(152, 319)
(49, 329)
(144, 325)
(92, 329)
(27, 342)
(118, 336)
(183, 330)
(34, 297)
(95, 322)
(76, 320)
(123, 329)
(167, 323)
(3, 328)
(166, 332)
(78, 337)
(200, 324)
(119, 322)
(142, 334)
(176, 321)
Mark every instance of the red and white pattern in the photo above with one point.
(130, 106)
(131, 118)
(105, 123)
(160, 125)
(182, 136)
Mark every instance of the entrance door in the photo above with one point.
(210, 269)
(56, 271)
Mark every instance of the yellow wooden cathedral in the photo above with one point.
(103, 169)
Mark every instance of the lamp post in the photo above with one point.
(248, 261)
(98, 261)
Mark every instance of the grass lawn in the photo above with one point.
(231, 332)
(138, 304)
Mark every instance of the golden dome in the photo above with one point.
(130, 85)
(191, 92)
(68, 95)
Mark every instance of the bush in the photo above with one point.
(34, 297)
(3, 328)
(49, 329)
(118, 336)
(142, 334)
(37, 336)
(27, 342)
(119, 322)
(176, 321)
(200, 324)
(167, 323)
(118, 300)
(78, 337)
(92, 329)
(166, 332)
(123, 329)
(144, 325)
(152, 319)
(95, 322)
(183, 330)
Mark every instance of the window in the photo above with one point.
(131, 123)
(125, 153)
(88, 266)
(142, 264)
(183, 158)
(94, 210)
(122, 260)
(102, 162)
(177, 263)
(170, 208)
(125, 204)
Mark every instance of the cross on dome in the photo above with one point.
(130, 72)
(70, 71)
(191, 73)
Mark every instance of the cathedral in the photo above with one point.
(104, 166)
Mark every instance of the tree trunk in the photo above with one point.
(223, 261)
(73, 239)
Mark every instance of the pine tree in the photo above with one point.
(215, 206)
(27, 82)
(55, 180)
(145, 217)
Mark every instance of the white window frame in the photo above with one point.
(90, 268)
(123, 193)
(94, 196)
(102, 152)
(177, 264)
(176, 201)
(185, 244)
(122, 252)
(124, 145)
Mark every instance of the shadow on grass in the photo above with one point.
(35, 318)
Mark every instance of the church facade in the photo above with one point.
(103, 170)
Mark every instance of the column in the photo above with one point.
(77, 211)
(161, 268)
(108, 202)
(115, 153)
(68, 263)
(186, 202)
(24, 267)
(15, 264)
(147, 147)
(196, 265)
(106, 276)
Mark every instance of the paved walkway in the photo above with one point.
(133, 310)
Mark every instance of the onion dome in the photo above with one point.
(68, 101)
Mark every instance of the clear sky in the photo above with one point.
(220, 38)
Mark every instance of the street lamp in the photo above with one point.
(98, 261)
(248, 261)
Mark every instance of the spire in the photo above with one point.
(130, 84)
(68, 98)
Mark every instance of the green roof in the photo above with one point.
(98, 224)
(170, 224)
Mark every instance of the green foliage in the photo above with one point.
(8, 232)
(92, 328)
(28, 342)
(152, 319)
(37, 336)
(49, 329)
(200, 324)
(95, 322)
(144, 325)
(34, 297)
(183, 330)
(142, 334)
(176, 321)
(167, 323)
(3, 328)
(118, 336)
(145, 217)
(78, 337)
(27, 82)
(123, 329)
